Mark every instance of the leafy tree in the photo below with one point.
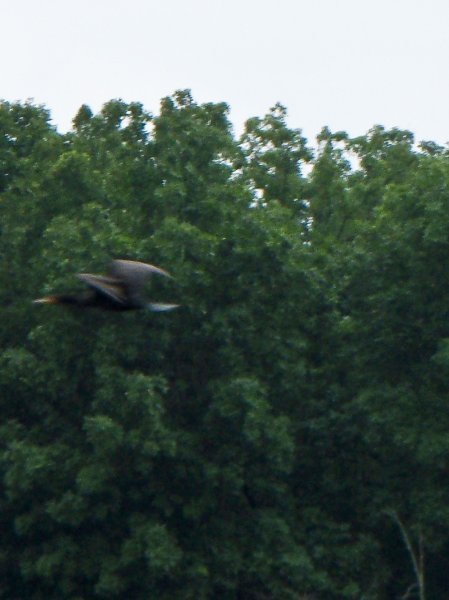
(275, 156)
(283, 434)
(390, 321)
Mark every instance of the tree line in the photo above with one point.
(284, 434)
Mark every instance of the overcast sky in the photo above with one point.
(348, 64)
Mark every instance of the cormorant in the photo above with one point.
(120, 290)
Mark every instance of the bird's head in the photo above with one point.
(47, 300)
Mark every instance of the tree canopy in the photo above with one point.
(284, 434)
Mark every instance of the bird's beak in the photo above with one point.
(46, 300)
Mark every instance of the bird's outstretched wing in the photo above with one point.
(134, 275)
(108, 286)
(133, 272)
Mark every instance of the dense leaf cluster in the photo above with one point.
(284, 435)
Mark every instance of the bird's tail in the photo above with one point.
(156, 307)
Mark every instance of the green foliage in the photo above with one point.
(255, 443)
(274, 157)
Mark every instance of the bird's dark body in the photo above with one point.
(92, 300)
(119, 291)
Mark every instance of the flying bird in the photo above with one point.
(120, 290)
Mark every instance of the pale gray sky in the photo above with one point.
(348, 64)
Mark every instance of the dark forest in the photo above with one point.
(284, 433)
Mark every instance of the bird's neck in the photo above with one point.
(70, 300)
